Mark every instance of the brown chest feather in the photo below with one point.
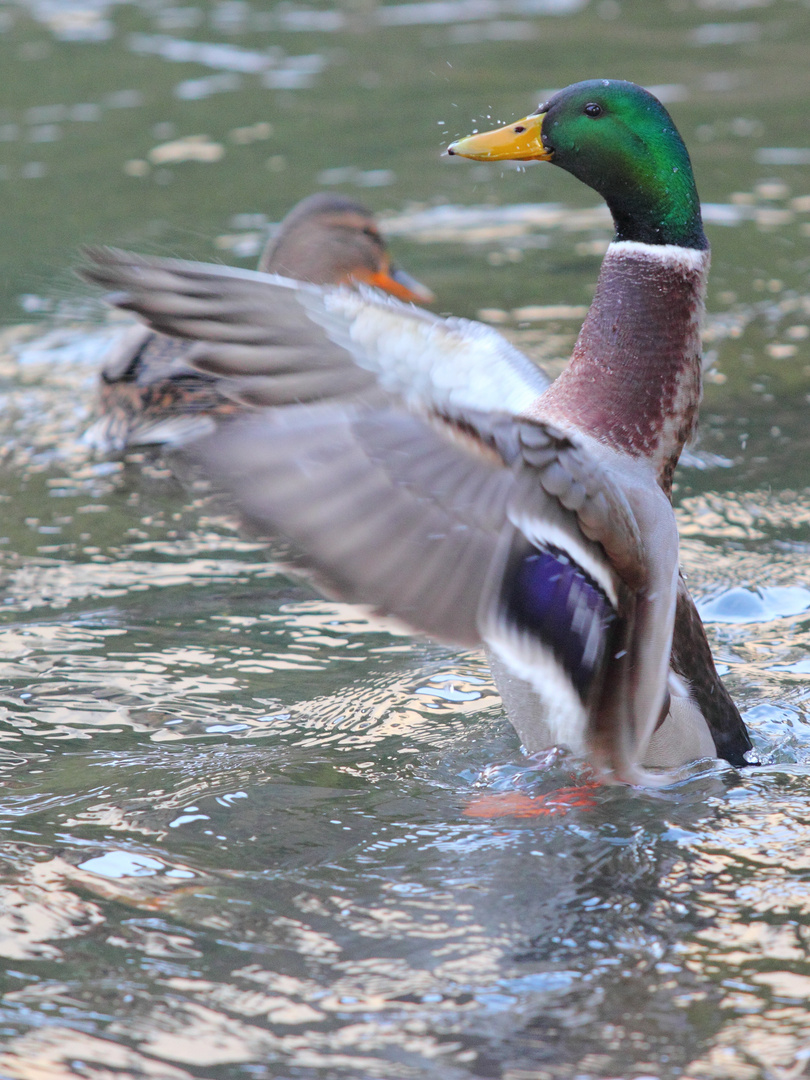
(634, 379)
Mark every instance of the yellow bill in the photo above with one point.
(515, 142)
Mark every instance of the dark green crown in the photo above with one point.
(620, 140)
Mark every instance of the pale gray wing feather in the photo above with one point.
(261, 325)
(381, 506)
(422, 522)
(238, 326)
(123, 351)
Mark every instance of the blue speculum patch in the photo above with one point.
(556, 601)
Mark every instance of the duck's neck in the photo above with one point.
(634, 380)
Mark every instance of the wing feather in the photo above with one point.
(243, 318)
(414, 485)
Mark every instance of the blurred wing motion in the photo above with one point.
(280, 341)
(415, 485)
(468, 546)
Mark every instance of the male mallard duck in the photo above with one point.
(421, 466)
(148, 391)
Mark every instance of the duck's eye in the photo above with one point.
(592, 109)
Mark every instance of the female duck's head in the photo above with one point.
(618, 139)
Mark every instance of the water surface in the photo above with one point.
(248, 832)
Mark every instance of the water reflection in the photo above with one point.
(419, 960)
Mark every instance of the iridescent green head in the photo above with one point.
(618, 139)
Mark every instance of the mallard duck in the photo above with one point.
(421, 465)
(148, 391)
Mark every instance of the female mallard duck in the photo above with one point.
(149, 393)
(420, 464)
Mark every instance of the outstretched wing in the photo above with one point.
(415, 486)
(280, 341)
(461, 539)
